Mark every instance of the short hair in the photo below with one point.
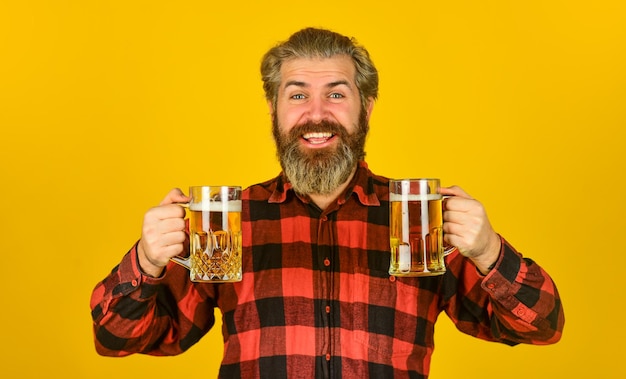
(319, 43)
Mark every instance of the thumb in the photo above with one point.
(176, 195)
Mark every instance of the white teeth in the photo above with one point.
(317, 135)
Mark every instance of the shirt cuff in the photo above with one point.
(501, 280)
(130, 274)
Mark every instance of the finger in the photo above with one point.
(469, 220)
(451, 239)
(173, 240)
(454, 191)
(167, 211)
(458, 235)
(176, 195)
(162, 219)
(165, 253)
(454, 217)
(167, 246)
(455, 225)
(169, 225)
(459, 204)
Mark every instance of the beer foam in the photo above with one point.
(413, 197)
(215, 206)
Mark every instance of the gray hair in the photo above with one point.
(319, 43)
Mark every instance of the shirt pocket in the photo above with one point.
(385, 313)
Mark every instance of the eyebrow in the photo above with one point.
(298, 83)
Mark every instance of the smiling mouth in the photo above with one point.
(317, 138)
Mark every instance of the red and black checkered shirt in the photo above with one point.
(316, 299)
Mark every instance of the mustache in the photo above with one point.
(323, 126)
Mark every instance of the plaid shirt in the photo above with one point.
(316, 299)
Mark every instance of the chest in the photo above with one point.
(301, 236)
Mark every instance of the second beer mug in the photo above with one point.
(214, 234)
(416, 228)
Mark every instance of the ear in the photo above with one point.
(271, 109)
(369, 107)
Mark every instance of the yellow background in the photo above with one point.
(107, 105)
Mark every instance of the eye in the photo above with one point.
(298, 96)
(336, 95)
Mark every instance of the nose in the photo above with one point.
(317, 109)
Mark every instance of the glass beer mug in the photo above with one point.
(416, 228)
(214, 214)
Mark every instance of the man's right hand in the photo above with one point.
(163, 233)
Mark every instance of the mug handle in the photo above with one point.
(185, 262)
(447, 249)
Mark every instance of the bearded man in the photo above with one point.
(316, 299)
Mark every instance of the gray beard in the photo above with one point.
(320, 173)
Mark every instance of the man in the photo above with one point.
(316, 299)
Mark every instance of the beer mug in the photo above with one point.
(416, 228)
(214, 214)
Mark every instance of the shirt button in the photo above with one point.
(324, 218)
(328, 357)
(392, 278)
(491, 286)
(326, 262)
(134, 282)
(328, 309)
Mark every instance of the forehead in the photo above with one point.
(339, 67)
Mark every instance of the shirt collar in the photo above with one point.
(361, 185)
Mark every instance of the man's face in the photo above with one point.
(318, 123)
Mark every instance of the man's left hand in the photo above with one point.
(466, 226)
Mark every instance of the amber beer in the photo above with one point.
(214, 235)
(215, 241)
(416, 228)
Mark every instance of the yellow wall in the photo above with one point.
(106, 105)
